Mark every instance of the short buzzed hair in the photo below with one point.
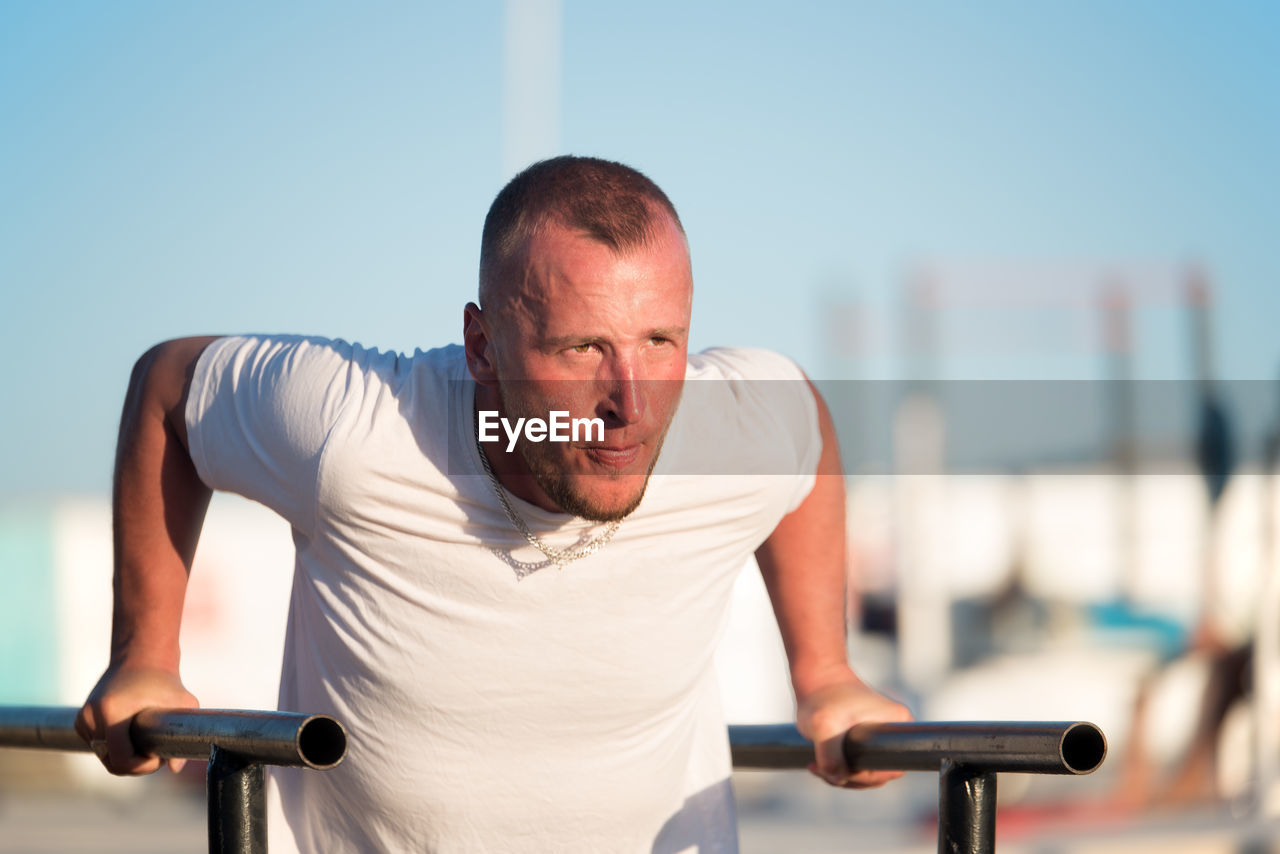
(607, 201)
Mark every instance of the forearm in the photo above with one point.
(159, 504)
(803, 565)
(804, 575)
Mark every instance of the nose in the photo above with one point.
(625, 397)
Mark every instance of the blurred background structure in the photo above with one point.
(1026, 250)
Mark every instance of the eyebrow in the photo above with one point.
(569, 340)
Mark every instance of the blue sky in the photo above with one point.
(177, 168)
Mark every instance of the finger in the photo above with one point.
(122, 759)
(833, 778)
(829, 754)
(88, 727)
(871, 779)
(86, 723)
(176, 765)
(846, 778)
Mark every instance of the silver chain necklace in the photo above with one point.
(560, 557)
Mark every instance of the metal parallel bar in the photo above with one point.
(1034, 748)
(236, 743)
(41, 727)
(274, 738)
(1029, 747)
(236, 788)
(966, 755)
(777, 746)
(966, 810)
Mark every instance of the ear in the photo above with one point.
(478, 345)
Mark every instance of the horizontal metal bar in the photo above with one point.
(273, 738)
(41, 727)
(779, 746)
(1035, 747)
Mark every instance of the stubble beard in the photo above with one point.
(558, 485)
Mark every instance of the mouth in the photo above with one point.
(613, 456)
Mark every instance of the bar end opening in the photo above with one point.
(1083, 748)
(322, 742)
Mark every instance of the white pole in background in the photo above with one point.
(531, 83)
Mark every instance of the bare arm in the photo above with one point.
(803, 564)
(158, 504)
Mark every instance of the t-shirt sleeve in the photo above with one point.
(775, 398)
(259, 411)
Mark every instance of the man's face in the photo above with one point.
(601, 335)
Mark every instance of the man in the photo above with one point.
(518, 634)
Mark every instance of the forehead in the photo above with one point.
(565, 271)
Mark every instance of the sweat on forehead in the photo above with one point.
(609, 202)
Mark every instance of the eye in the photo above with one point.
(583, 349)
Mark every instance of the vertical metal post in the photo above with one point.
(966, 810)
(237, 804)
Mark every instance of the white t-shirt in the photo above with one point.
(573, 709)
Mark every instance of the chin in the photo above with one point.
(599, 498)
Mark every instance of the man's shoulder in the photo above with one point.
(742, 363)
(743, 411)
(291, 352)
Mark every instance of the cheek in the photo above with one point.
(531, 399)
(666, 391)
